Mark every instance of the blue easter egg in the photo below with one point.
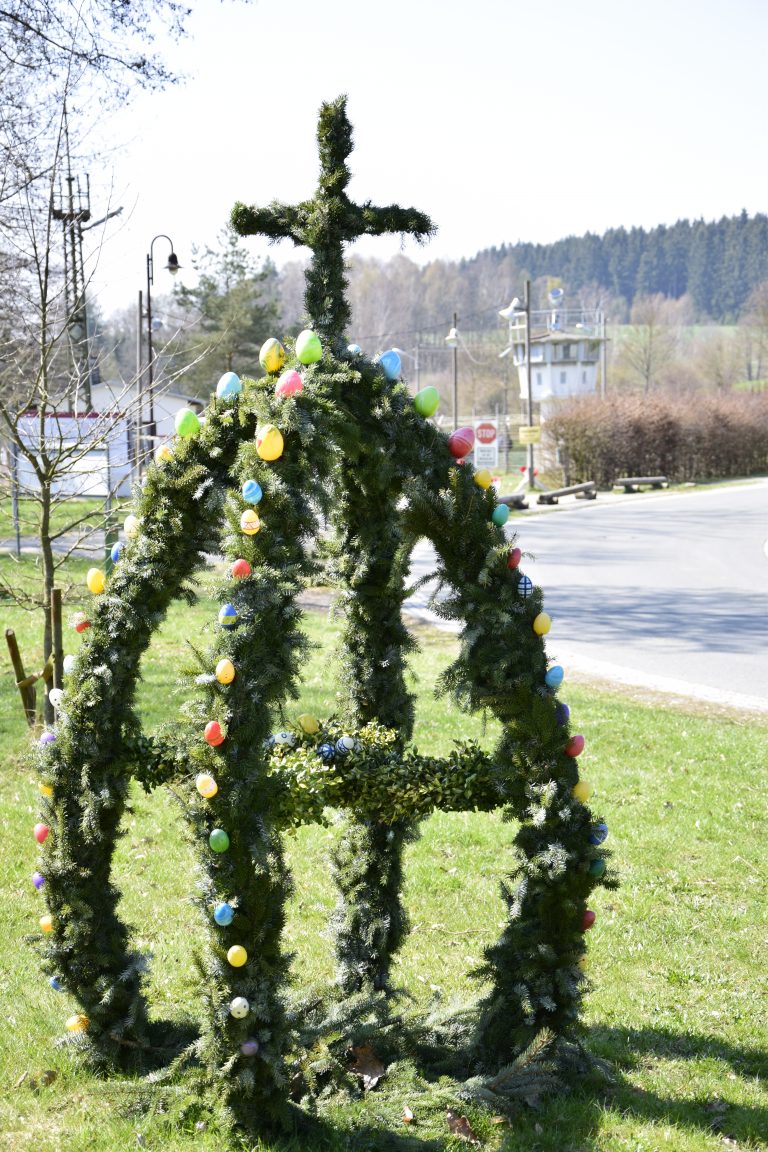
(354, 349)
(562, 713)
(599, 834)
(223, 914)
(326, 752)
(252, 491)
(525, 586)
(115, 553)
(554, 676)
(229, 385)
(390, 363)
(228, 616)
(345, 745)
(500, 515)
(56, 984)
(597, 868)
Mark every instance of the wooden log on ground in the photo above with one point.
(586, 491)
(635, 483)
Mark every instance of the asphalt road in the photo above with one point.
(662, 590)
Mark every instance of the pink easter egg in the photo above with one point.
(289, 384)
(461, 442)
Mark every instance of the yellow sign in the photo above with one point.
(529, 434)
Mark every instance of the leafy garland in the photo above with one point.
(343, 440)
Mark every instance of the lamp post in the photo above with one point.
(452, 340)
(173, 267)
(518, 308)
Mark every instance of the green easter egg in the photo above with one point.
(427, 401)
(187, 422)
(308, 347)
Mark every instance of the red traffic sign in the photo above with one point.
(486, 433)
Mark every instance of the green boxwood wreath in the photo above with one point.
(358, 456)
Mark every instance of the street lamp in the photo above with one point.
(452, 340)
(514, 309)
(171, 266)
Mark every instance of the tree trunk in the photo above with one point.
(49, 578)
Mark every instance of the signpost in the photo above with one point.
(529, 434)
(487, 443)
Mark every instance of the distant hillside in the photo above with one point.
(718, 264)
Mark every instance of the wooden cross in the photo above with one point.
(327, 222)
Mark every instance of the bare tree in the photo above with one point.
(650, 343)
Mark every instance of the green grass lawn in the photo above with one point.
(677, 956)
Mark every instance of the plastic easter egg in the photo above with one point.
(587, 919)
(272, 356)
(390, 364)
(542, 624)
(213, 733)
(228, 616)
(69, 663)
(269, 442)
(562, 714)
(164, 454)
(484, 479)
(514, 558)
(575, 745)
(525, 586)
(308, 347)
(500, 515)
(131, 527)
(581, 791)
(218, 840)
(225, 671)
(46, 923)
(229, 386)
(240, 569)
(239, 1007)
(187, 423)
(599, 834)
(554, 676)
(427, 401)
(38, 880)
(77, 1023)
(115, 552)
(287, 739)
(345, 745)
(250, 522)
(461, 442)
(95, 581)
(81, 622)
(597, 868)
(252, 492)
(56, 695)
(249, 1047)
(206, 785)
(56, 984)
(44, 789)
(326, 752)
(308, 723)
(223, 914)
(289, 384)
(46, 738)
(237, 956)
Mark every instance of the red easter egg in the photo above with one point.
(575, 746)
(289, 384)
(514, 558)
(81, 623)
(240, 569)
(587, 919)
(461, 442)
(41, 833)
(213, 733)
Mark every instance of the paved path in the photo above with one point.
(666, 591)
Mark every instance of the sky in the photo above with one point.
(505, 121)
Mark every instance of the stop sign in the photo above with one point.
(485, 433)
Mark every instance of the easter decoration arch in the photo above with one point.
(327, 432)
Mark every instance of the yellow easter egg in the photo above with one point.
(269, 442)
(542, 624)
(164, 454)
(95, 581)
(249, 522)
(206, 785)
(78, 1023)
(483, 478)
(237, 956)
(308, 723)
(272, 356)
(46, 923)
(225, 671)
(45, 789)
(131, 527)
(582, 791)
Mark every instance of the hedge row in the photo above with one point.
(691, 437)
